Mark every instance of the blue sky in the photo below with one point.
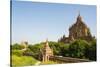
(36, 21)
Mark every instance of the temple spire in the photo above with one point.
(79, 18)
(47, 42)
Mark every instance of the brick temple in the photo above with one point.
(46, 52)
(78, 30)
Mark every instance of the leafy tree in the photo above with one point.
(59, 48)
(17, 46)
(35, 50)
(92, 51)
(77, 48)
(56, 47)
(28, 52)
(65, 50)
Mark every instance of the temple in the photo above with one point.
(46, 52)
(78, 30)
(25, 45)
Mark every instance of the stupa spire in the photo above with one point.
(47, 42)
(79, 18)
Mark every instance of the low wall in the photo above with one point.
(67, 59)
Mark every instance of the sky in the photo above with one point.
(36, 21)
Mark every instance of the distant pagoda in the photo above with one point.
(78, 30)
(24, 44)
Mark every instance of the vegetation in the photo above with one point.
(78, 49)
(16, 46)
(35, 50)
(17, 52)
(22, 60)
(91, 54)
(19, 59)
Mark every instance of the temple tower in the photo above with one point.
(78, 30)
(47, 52)
(25, 45)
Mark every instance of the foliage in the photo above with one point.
(28, 52)
(35, 50)
(56, 47)
(16, 46)
(21, 57)
(77, 48)
(92, 51)
(65, 50)
(59, 48)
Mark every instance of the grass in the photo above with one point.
(48, 62)
(23, 61)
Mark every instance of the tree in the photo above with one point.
(65, 50)
(56, 47)
(92, 51)
(77, 48)
(35, 50)
(59, 48)
(16, 46)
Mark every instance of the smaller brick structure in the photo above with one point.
(46, 52)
